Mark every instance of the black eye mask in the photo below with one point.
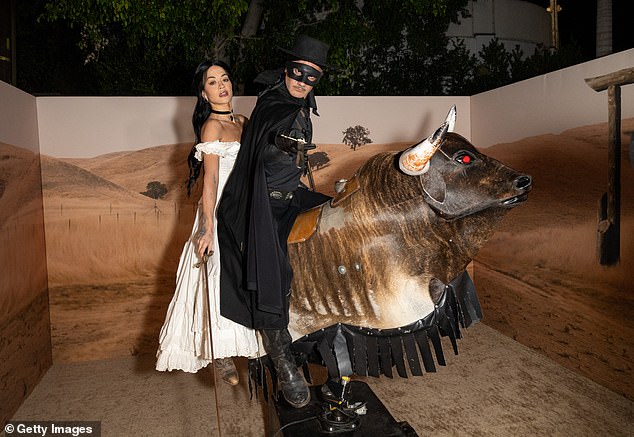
(304, 71)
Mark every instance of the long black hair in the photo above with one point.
(202, 110)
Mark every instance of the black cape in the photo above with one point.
(254, 279)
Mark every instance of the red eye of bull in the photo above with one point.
(463, 158)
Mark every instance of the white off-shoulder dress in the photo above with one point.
(184, 342)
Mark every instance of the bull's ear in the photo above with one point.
(434, 185)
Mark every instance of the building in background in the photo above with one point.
(512, 22)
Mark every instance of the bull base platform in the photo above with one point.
(315, 419)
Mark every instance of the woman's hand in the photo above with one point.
(205, 243)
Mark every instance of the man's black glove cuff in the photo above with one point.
(283, 143)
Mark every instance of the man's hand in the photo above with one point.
(285, 142)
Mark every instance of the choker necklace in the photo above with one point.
(224, 113)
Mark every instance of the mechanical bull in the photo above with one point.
(379, 271)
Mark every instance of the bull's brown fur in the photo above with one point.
(392, 243)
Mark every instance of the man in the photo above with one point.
(259, 205)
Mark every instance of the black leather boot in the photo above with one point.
(277, 343)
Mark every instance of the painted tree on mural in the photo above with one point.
(155, 190)
(356, 136)
(318, 159)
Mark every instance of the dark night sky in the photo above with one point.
(577, 24)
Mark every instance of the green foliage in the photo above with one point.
(494, 69)
(458, 67)
(151, 47)
(495, 66)
(155, 190)
(381, 47)
(142, 47)
(189, 28)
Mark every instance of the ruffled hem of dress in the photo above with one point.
(223, 149)
(167, 360)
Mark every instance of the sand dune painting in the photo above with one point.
(539, 277)
(112, 251)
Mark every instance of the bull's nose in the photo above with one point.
(523, 182)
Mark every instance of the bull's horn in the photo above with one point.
(415, 160)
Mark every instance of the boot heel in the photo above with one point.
(227, 370)
(277, 344)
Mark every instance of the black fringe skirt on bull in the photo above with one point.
(351, 350)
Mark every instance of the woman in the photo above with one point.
(184, 341)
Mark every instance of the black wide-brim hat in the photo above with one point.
(311, 50)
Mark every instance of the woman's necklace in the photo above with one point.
(229, 113)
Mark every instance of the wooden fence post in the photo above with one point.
(609, 216)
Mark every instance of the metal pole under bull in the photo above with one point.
(203, 264)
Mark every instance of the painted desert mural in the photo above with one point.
(539, 277)
(116, 223)
(25, 341)
(22, 246)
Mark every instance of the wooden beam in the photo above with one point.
(609, 224)
(618, 78)
(609, 217)
(614, 171)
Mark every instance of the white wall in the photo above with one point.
(18, 118)
(389, 119)
(551, 103)
(90, 126)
